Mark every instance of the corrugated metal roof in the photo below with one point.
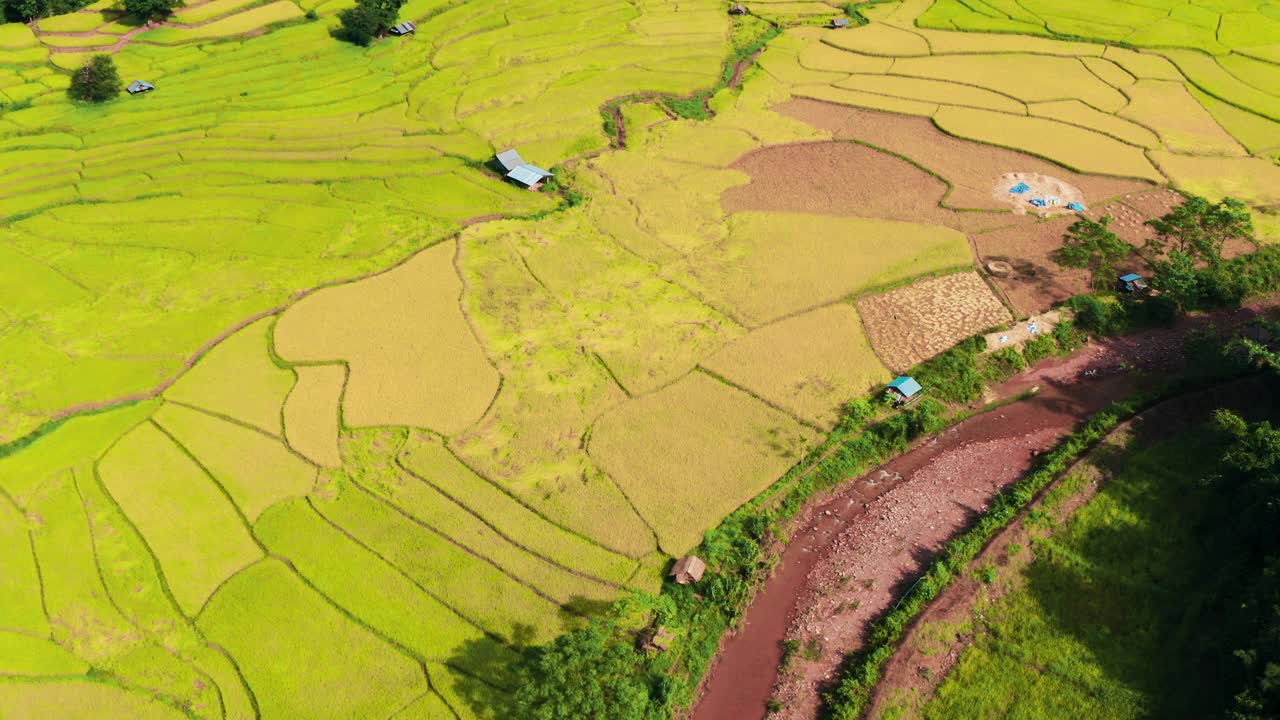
(138, 86)
(540, 171)
(906, 385)
(1130, 277)
(510, 160)
(403, 28)
(526, 175)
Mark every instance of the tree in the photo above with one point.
(368, 20)
(24, 10)
(1178, 279)
(97, 81)
(588, 673)
(1092, 245)
(151, 9)
(1199, 228)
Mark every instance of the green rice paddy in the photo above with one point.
(248, 536)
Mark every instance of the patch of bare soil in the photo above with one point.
(1021, 332)
(1037, 282)
(969, 166)
(1056, 193)
(913, 323)
(933, 644)
(845, 178)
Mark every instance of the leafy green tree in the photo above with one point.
(1199, 228)
(368, 20)
(151, 9)
(24, 10)
(96, 81)
(1178, 279)
(1092, 246)
(588, 673)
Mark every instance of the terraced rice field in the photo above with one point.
(283, 366)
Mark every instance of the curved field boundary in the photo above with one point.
(504, 535)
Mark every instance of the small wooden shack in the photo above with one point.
(405, 28)
(840, 23)
(138, 87)
(516, 170)
(1132, 283)
(904, 390)
(688, 569)
(738, 9)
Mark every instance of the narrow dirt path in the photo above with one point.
(852, 554)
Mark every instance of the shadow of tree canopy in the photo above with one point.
(1129, 595)
(484, 673)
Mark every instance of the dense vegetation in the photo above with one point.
(368, 20)
(97, 81)
(1185, 262)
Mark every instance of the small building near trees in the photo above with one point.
(1133, 284)
(405, 28)
(904, 390)
(138, 87)
(840, 23)
(688, 569)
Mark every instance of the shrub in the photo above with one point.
(1096, 314)
(1067, 337)
(97, 81)
(1039, 348)
(953, 375)
(1001, 364)
(693, 108)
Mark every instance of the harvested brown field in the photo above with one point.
(914, 323)
(311, 413)
(809, 364)
(969, 166)
(691, 453)
(1037, 281)
(845, 178)
(1126, 222)
(413, 358)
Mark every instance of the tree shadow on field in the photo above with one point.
(1127, 582)
(575, 612)
(483, 678)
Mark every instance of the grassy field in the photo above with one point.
(420, 419)
(1097, 624)
(691, 453)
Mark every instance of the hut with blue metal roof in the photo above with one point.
(1132, 283)
(904, 390)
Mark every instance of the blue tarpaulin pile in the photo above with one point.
(1075, 206)
(1019, 188)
